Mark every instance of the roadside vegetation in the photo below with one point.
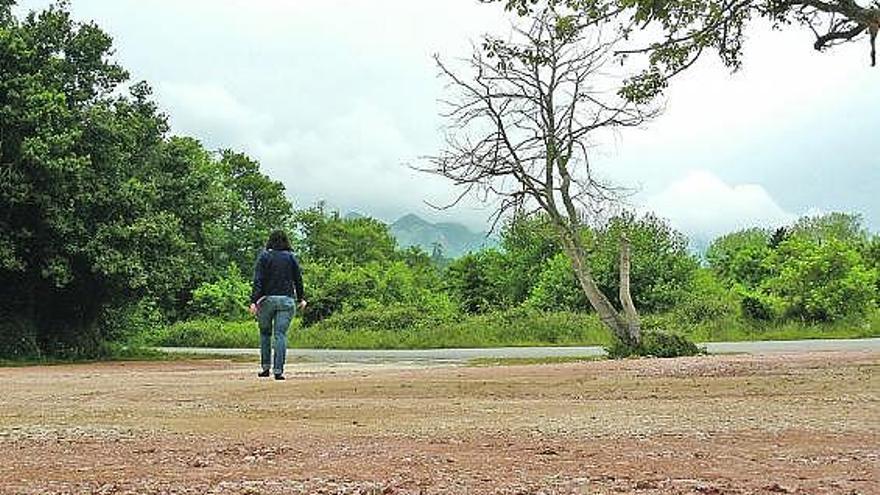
(117, 236)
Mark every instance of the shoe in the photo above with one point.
(279, 376)
(263, 374)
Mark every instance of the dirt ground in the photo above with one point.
(792, 423)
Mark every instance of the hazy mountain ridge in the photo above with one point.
(454, 238)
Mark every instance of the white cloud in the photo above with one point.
(701, 203)
(334, 96)
(210, 112)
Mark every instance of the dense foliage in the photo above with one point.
(100, 208)
(820, 269)
(114, 231)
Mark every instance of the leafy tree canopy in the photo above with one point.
(672, 35)
(99, 207)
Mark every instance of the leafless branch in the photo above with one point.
(520, 115)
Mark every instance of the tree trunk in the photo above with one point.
(609, 316)
(625, 325)
(633, 325)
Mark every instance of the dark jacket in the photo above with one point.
(277, 273)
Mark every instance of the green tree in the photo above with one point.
(256, 205)
(227, 297)
(739, 257)
(669, 37)
(818, 270)
(872, 258)
(845, 227)
(556, 288)
(528, 243)
(99, 209)
(424, 267)
(822, 281)
(70, 153)
(477, 281)
(662, 267)
(326, 236)
(707, 300)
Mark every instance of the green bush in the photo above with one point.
(706, 300)
(820, 270)
(337, 287)
(132, 322)
(211, 333)
(557, 288)
(18, 338)
(477, 281)
(759, 306)
(398, 328)
(822, 280)
(739, 257)
(407, 328)
(225, 298)
(738, 328)
(656, 344)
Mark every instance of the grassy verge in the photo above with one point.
(737, 329)
(515, 328)
(504, 329)
(210, 333)
(389, 330)
(511, 328)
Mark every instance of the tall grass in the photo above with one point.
(400, 329)
(207, 333)
(738, 329)
(508, 328)
(362, 331)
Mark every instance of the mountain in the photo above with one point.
(455, 239)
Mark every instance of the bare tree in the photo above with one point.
(520, 124)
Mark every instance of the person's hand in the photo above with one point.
(252, 309)
(303, 304)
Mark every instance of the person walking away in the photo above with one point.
(277, 291)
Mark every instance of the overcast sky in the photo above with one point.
(335, 97)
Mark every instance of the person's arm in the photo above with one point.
(257, 291)
(298, 281)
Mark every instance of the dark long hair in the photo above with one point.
(278, 241)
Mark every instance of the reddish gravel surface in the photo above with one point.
(789, 423)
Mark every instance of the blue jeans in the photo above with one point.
(274, 316)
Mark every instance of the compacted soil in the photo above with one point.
(805, 423)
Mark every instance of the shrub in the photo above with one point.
(18, 338)
(759, 306)
(739, 257)
(226, 298)
(557, 288)
(211, 333)
(131, 322)
(386, 318)
(656, 344)
(708, 300)
(403, 329)
(822, 280)
(477, 281)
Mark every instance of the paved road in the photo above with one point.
(454, 356)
